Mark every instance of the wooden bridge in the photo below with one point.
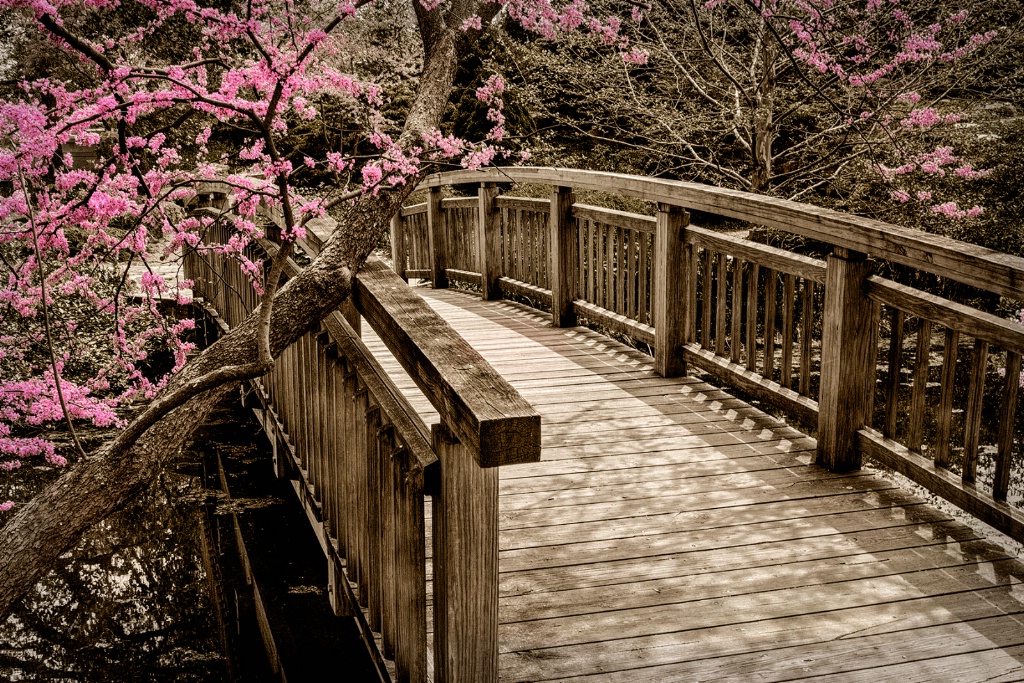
(504, 495)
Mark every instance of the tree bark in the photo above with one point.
(52, 522)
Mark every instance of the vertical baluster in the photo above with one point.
(915, 434)
(752, 284)
(1007, 425)
(437, 242)
(892, 381)
(645, 279)
(806, 335)
(374, 525)
(521, 247)
(410, 573)
(389, 627)
(769, 323)
(629, 247)
(360, 489)
(488, 241)
(580, 278)
(789, 306)
(705, 305)
(398, 244)
(944, 419)
(972, 416)
(737, 310)
(720, 292)
(599, 269)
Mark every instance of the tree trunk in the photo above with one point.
(52, 522)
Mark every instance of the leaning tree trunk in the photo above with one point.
(53, 521)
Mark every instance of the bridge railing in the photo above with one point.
(362, 461)
(804, 334)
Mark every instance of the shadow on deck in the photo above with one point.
(672, 532)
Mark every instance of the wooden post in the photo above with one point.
(465, 565)
(488, 241)
(399, 256)
(562, 257)
(671, 272)
(438, 245)
(845, 353)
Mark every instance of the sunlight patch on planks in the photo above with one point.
(674, 533)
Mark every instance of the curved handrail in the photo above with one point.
(968, 263)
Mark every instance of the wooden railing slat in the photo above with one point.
(972, 415)
(892, 382)
(486, 413)
(945, 415)
(1007, 425)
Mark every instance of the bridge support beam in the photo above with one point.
(562, 257)
(399, 256)
(669, 302)
(488, 241)
(465, 565)
(847, 375)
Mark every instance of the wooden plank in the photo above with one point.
(465, 538)
(455, 203)
(977, 266)
(462, 276)
(705, 304)
(1007, 426)
(483, 409)
(669, 281)
(748, 380)
(770, 257)
(943, 421)
(561, 239)
(942, 483)
(845, 350)
(414, 209)
(618, 219)
(1004, 333)
(521, 203)
(524, 289)
(806, 336)
(617, 323)
(975, 403)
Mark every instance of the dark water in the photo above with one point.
(156, 593)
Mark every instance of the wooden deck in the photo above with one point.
(674, 533)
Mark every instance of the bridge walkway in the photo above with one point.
(672, 532)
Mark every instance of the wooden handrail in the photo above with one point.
(971, 264)
(750, 314)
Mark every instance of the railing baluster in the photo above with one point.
(410, 573)
(488, 240)
(769, 323)
(945, 415)
(752, 284)
(1007, 426)
(806, 335)
(437, 245)
(705, 304)
(720, 293)
(789, 308)
(892, 384)
(562, 258)
(737, 309)
(972, 416)
(922, 361)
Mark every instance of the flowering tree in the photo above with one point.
(70, 234)
(786, 97)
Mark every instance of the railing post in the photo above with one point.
(465, 537)
(563, 261)
(436, 240)
(488, 241)
(399, 257)
(845, 353)
(671, 272)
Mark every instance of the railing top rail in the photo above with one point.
(968, 263)
(478, 404)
